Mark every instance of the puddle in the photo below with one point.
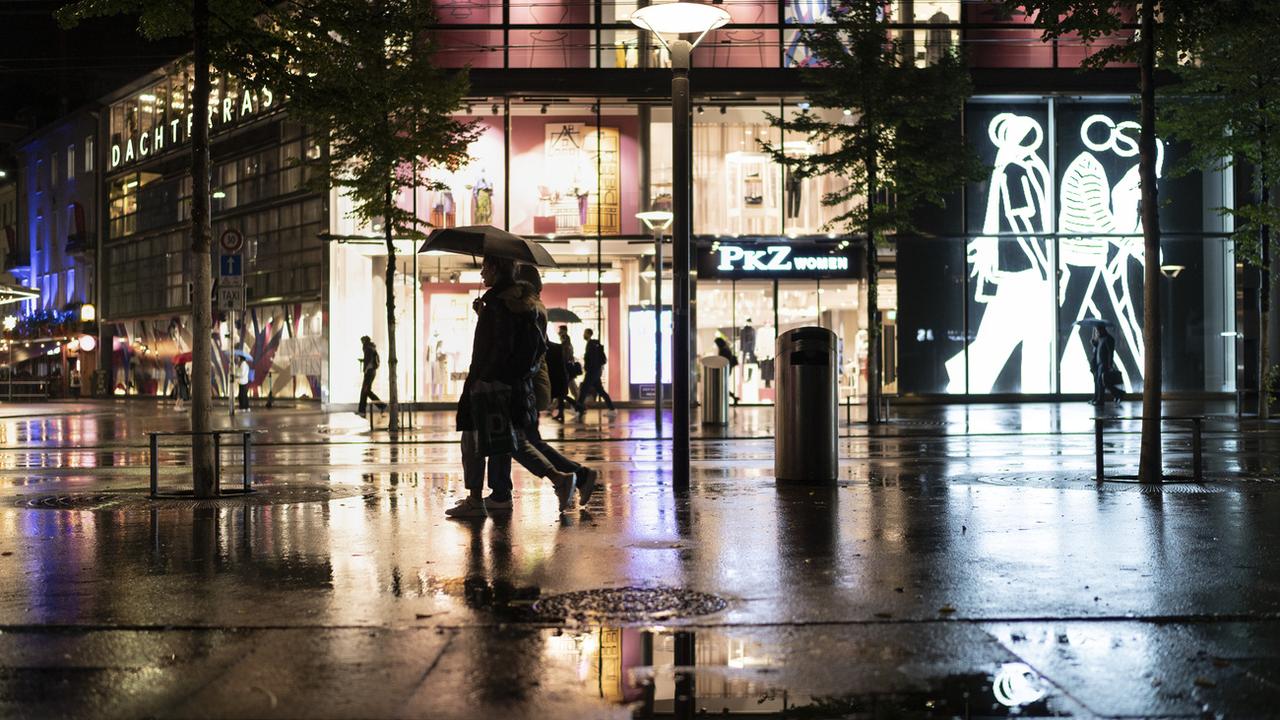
(664, 673)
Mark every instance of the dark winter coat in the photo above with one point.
(593, 359)
(1104, 354)
(371, 360)
(557, 374)
(500, 309)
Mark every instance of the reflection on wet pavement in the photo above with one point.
(947, 575)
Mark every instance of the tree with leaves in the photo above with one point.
(1225, 107)
(191, 18)
(897, 143)
(360, 73)
(1107, 27)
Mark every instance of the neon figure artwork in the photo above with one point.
(1099, 250)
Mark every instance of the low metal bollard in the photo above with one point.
(246, 445)
(1197, 444)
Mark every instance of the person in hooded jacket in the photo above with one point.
(546, 385)
(500, 310)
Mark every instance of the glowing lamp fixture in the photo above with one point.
(219, 194)
(1172, 271)
(88, 313)
(10, 322)
(679, 18)
(88, 343)
(655, 219)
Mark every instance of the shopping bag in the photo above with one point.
(491, 414)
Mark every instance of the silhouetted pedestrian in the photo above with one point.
(593, 362)
(370, 362)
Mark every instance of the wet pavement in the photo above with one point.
(966, 565)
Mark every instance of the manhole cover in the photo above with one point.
(629, 604)
(138, 500)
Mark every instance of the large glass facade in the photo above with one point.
(1053, 244)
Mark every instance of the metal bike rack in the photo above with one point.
(1197, 444)
(246, 445)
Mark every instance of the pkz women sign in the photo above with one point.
(169, 133)
(778, 260)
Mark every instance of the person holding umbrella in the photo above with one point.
(1106, 377)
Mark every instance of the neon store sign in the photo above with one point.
(140, 146)
(774, 261)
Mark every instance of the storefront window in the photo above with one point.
(570, 177)
(737, 188)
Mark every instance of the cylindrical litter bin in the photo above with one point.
(805, 410)
(715, 390)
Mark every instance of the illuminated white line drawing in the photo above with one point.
(1101, 232)
(1102, 263)
(1020, 300)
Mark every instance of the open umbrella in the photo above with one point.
(1094, 322)
(240, 353)
(182, 358)
(489, 241)
(562, 315)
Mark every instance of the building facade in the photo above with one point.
(576, 128)
(53, 336)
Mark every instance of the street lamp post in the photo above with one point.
(677, 20)
(657, 221)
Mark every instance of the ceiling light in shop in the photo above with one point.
(848, 112)
(147, 98)
(701, 110)
(543, 110)
(495, 108)
(723, 109)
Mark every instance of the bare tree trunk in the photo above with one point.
(1150, 466)
(873, 288)
(393, 393)
(204, 482)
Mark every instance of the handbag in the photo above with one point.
(575, 369)
(491, 416)
(1112, 377)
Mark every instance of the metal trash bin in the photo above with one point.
(715, 390)
(805, 410)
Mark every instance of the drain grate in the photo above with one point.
(138, 500)
(629, 604)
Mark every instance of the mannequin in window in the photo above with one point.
(747, 342)
(482, 201)
(939, 38)
(795, 186)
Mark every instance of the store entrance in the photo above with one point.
(748, 315)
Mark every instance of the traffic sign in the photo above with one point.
(231, 298)
(232, 241)
(231, 266)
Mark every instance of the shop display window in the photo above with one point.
(729, 165)
(573, 170)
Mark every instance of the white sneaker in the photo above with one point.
(563, 483)
(467, 507)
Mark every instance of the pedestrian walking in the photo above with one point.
(370, 362)
(498, 403)
(242, 383)
(183, 390)
(593, 362)
(572, 369)
(585, 478)
(723, 349)
(1106, 377)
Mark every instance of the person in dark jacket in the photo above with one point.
(369, 362)
(1104, 355)
(593, 362)
(584, 477)
(500, 310)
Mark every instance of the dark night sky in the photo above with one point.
(45, 70)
